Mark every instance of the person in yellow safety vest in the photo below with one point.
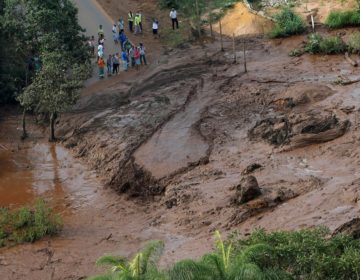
(131, 21)
(137, 24)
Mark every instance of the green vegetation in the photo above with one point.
(37, 35)
(305, 254)
(354, 43)
(329, 45)
(142, 266)
(27, 224)
(287, 23)
(338, 19)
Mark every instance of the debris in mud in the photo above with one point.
(273, 130)
(247, 190)
(251, 168)
(320, 135)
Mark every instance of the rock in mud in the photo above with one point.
(247, 190)
(251, 168)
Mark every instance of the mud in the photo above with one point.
(178, 138)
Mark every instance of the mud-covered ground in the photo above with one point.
(178, 145)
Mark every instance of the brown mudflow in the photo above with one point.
(176, 142)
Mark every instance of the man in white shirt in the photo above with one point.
(173, 16)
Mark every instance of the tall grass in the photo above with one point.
(28, 224)
(354, 43)
(338, 19)
(287, 23)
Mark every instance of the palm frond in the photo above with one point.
(246, 271)
(189, 270)
(117, 262)
(151, 254)
(214, 263)
(135, 265)
(261, 254)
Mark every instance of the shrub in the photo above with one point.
(304, 254)
(332, 45)
(354, 43)
(338, 19)
(328, 45)
(287, 23)
(27, 224)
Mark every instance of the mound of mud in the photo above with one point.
(302, 94)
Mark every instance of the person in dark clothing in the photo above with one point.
(131, 21)
(116, 63)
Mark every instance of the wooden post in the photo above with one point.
(221, 37)
(313, 23)
(234, 49)
(198, 18)
(211, 27)
(244, 50)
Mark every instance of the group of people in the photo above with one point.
(130, 55)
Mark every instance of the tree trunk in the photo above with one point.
(24, 133)
(53, 117)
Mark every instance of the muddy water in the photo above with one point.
(35, 168)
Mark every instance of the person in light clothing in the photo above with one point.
(155, 27)
(173, 16)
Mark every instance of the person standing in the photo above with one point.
(122, 39)
(121, 25)
(100, 31)
(131, 56)
(137, 58)
(101, 64)
(114, 32)
(109, 63)
(125, 60)
(131, 21)
(155, 27)
(173, 16)
(100, 51)
(142, 54)
(92, 46)
(140, 21)
(137, 24)
(116, 63)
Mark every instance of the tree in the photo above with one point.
(55, 88)
(143, 266)
(46, 30)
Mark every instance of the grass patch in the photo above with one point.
(27, 224)
(328, 45)
(175, 38)
(339, 19)
(354, 43)
(305, 254)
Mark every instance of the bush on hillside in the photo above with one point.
(354, 43)
(287, 23)
(338, 19)
(329, 45)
